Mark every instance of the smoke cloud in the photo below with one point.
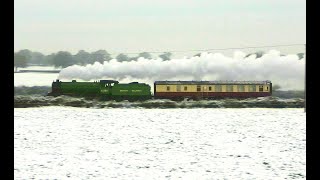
(286, 71)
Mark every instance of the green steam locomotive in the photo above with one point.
(103, 90)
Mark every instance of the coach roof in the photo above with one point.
(212, 82)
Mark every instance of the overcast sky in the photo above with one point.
(49, 26)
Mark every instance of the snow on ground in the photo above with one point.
(86, 143)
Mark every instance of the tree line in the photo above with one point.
(64, 59)
(24, 58)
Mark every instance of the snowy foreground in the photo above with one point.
(85, 143)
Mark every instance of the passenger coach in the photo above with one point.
(211, 89)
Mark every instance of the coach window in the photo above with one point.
(240, 88)
(198, 88)
(168, 88)
(229, 88)
(260, 88)
(210, 88)
(185, 88)
(218, 88)
(252, 88)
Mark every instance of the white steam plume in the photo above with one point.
(286, 71)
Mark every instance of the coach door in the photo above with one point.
(178, 88)
(205, 91)
(199, 92)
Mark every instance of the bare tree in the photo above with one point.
(145, 55)
(63, 59)
(100, 56)
(122, 57)
(19, 61)
(165, 56)
(258, 54)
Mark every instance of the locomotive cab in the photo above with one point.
(106, 87)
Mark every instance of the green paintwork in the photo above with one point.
(105, 89)
(80, 88)
(135, 89)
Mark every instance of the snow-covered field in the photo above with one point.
(35, 79)
(86, 143)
